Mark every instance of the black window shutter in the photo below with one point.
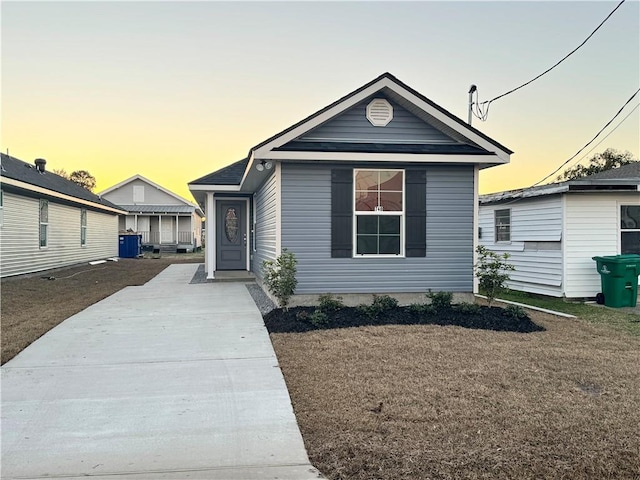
(341, 213)
(416, 213)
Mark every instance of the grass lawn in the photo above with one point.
(617, 318)
(445, 402)
(32, 304)
(421, 401)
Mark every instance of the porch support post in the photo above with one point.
(476, 224)
(160, 229)
(177, 236)
(135, 223)
(210, 249)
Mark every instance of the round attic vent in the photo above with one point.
(379, 112)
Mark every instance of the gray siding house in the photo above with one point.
(163, 219)
(553, 231)
(47, 221)
(375, 193)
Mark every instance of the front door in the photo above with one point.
(231, 233)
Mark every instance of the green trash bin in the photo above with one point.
(619, 279)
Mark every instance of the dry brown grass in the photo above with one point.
(31, 305)
(467, 404)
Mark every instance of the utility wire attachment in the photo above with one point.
(481, 109)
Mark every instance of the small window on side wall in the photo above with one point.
(44, 223)
(83, 226)
(502, 222)
(630, 229)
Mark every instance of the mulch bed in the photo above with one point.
(296, 319)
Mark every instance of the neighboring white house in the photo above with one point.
(47, 221)
(164, 219)
(553, 231)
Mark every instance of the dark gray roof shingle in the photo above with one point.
(158, 208)
(631, 170)
(28, 173)
(453, 149)
(229, 175)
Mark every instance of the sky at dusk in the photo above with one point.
(176, 90)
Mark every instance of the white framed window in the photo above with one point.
(630, 229)
(44, 223)
(379, 213)
(83, 226)
(502, 222)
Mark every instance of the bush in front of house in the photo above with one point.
(440, 300)
(280, 276)
(384, 310)
(492, 272)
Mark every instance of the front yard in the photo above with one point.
(445, 402)
(421, 401)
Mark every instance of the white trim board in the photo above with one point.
(62, 196)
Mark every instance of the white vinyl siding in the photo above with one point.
(592, 226)
(535, 246)
(19, 237)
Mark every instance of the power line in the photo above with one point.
(592, 149)
(607, 135)
(482, 109)
(590, 141)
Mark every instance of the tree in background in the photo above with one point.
(84, 179)
(79, 177)
(600, 162)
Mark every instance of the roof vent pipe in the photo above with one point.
(40, 163)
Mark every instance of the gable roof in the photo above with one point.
(622, 179)
(25, 176)
(153, 184)
(393, 80)
(475, 147)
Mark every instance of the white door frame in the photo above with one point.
(212, 237)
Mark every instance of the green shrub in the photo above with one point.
(329, 304)
(280, 276)
(319, 319)
(440, 300)
(516, 311)
(380, 305)
(491, 271)
(421, 309)
(469, 308)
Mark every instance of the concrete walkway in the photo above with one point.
(163, 381)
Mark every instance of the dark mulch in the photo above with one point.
(296, 320)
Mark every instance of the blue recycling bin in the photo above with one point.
(130, 246)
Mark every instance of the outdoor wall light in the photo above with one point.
(264, 164)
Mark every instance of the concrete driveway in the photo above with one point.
(163, 381)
